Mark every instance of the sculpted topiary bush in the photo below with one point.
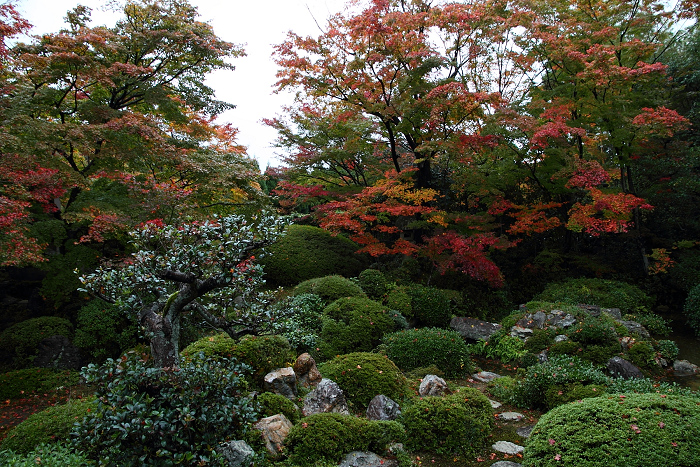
(362, 376)
(273, 404)
(264, 354)
(305, 252)
(374, 283)
(604, 293)
(19, 343)
(212, 347)
(353, 324)
(330, 436)
(51, 425)
(330, 288)
(458, 423)
(429, 306)
(634, 430)
(416, 348)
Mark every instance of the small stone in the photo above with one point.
(237, 453)
(485, 376)
(327, 397)
(561, 338)
(433, 385)
(521, 332)
(505, 464)
(507, 447)
(525, 431)
(495, 404)
(510, 416)
(366, 459)
(282, 381)
(274, 431)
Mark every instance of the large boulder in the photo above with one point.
(383, 408)
(237, 453)
(474, 329)
(685, 368)
(433, 385)
(326, 397)
(282, 381)
(621, 368)
(274, 431)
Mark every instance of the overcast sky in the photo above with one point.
(258, 25)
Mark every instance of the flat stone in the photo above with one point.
(561, 338)
(474, 330)
(525, 431)
(510, 416)
(485, 376)
(507, 447)
(685, 368)
(521, 332)
(495, 404)
(505, 464)
(366, 459)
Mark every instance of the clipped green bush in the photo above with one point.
(416, 348)
(540, 340)
(429, 306)
(305, 252)
(264, 354)
(668, 349)
(648, 386)
(502, 388)
(273, 404)
(560, 370)
(458, 423)
(374, 283)
(104, 331)
(22, 383)
(653, 323)
(362, 376)
(46, 455)
(330, 288)
(398, 299)
(643, 355)
(592, 291)
(213, 347)
(330, 436)
(634, 430)
(19, 343)
(691, 309)
(353, 324)
(562, 394)
(51, 425)
(164, 416)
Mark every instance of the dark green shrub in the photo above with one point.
(362, 376)
(540, 340)
(635, 430)
(373, 283)
(330, 288)
(458, 423)
(502, 388)
(527, 360)
(691, 309)
(273, 404)
(560, 370)
(301, 322)
(154, 416)
(567, 347)
(642, 354)
(305, 252)
(264, 354)
(104, 331)
(213, 347)
(593, 331)
(501, 345)
(653, 323)
(600, 354)
(331, 436)
(353, 324)
(648, 386)
(48, 426)
(46, 455)
(668, 349)
(565, 393)
(19, 343)
(22, 383)
(429, 306)
(398, 299)
(604, 293)
(415, 348)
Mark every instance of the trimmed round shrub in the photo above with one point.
(48, 426)
(691, 309)
(502, 388)
(273, 404)
(213, 347)
(104, 331)
(362, 376)
(565, 393)
(604, 293)
(416, 348)
(398, 299)
(330, 288)
(653, 323)
(353, 324)
(19, 343)
(648, 386)
(159, 416)
(634, 430)
(560, 370)
(458, 423)
(305, 252)
(264, 354)
(330, 436)
(429, 306)
(374, 283)
(50, 455)
(22, 383)
(643, 355)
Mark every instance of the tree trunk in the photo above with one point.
(164, 335)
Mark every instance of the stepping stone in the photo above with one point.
(510, 416)
(525, 431)
(507, 447)
(495, 404)
(485, 376)
(505, 464)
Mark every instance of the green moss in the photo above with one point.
(273, 404)
(415, 348)
(213, 347)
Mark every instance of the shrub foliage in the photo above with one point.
(417, 348)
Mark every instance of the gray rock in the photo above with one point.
(59, 353)
(614, 312)
(685, 368)
(485, 376)
(507, 447)
(559, 319)
(274, 431)
(366, 459)
(505, 464)
(521, 332)
(433, 385)
(635, 328)
(621, 368)
(474, 330)
(525, 431)
(326, 397)
(561, 338)
(543, 356)
(593, 310)
(282, 381)
(383, 408)
(237, 453)
(510, 416)
(494, 404)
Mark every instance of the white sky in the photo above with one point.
(255, 25)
